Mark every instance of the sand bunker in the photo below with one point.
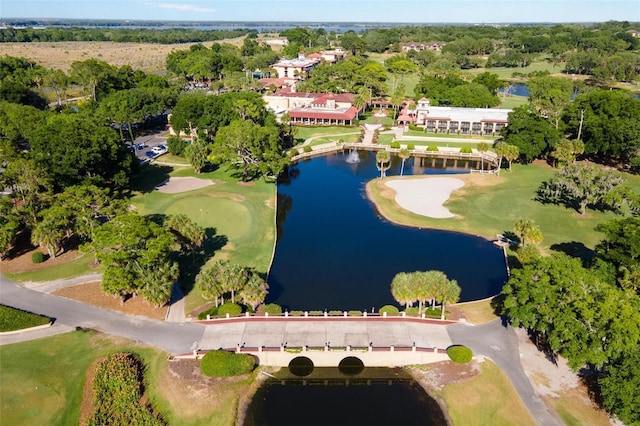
(173, 185)
(425, 196)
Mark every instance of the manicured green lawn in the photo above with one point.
(74, 268)
(238, 218)
(305, 132)
(513, 101)
(14, 319)
(487, 210)
(344, 138)
(42, 382)
(489, 398)
(507, 72)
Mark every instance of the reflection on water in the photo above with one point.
(373, 397)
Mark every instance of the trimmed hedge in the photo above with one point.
(466, 150)
(12, 319)
(37, 257)
(411, 146)
(212, 311)
(230, 308)
(271, 309)
(394, 144)
(390, 310)
(460, 354)
(226, 364)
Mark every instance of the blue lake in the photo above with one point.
(335, 252)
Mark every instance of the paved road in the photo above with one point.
(173, 338)
(500, 344)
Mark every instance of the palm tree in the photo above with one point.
(482, 148)
(158, 284)
(402, 289)
(512, 153)
(431, 283)
(404, 153)
(209, 285)
(383, 160)
(450, 293)
(501, 149)
(254, 291)
(527, 231)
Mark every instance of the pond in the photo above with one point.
(335, 252)
(376, 396)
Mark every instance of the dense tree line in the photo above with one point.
(589, 314)
(120, 35)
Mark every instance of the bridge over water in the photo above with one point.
(375, 340)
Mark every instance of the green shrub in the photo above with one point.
(37, 257)
(466, 150)
(412, 311)
(432, 148)
(414, 127)
(307, 148)
(316, 313)
(296, 313)
(12, 319)
(411, 146)
(293, 152)
(271, 309)
(394, 144)
(433, 312)
(335, 313)
(176, 145)
(459, 353)
(226, 364)
(229, 308)
(213, 311)
(355, 313)
(390, 310)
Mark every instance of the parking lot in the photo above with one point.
(151, 146)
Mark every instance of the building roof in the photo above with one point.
(468, 114)
(278, 82)
(340, 97)
(300, 62)
(324, 114)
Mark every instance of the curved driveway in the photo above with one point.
(500, 344)
(173, 338)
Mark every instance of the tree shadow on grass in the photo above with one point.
(149, 177)
(574, 249)
(192, 262)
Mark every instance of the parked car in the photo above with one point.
(140, 145)
(159, 149)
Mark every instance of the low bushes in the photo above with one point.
(37, 257)
(411, 146)
(213, 311)
(226, 364)
(466, 150)
(117, 390)
(394, 144)
(389, 310)
(460, 354)
(432, 148)
(12, 319)
(229, 308)
(271, 309)
(307, 148)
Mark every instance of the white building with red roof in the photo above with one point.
(314, 108)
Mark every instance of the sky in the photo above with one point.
(409, 11)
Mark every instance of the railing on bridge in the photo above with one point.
(488, 156)
(329, 315)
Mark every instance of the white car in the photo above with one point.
(159, 149)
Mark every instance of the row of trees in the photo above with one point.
(423, 287)
(223, 278)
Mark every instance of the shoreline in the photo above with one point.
(380, 210)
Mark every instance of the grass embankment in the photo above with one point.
(43, 380)
(238, 218)
(12, 319)
(487, 398)
(488, 205)
(81, 265)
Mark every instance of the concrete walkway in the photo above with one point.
(500, 344)
(50, 286)
(175, 313)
